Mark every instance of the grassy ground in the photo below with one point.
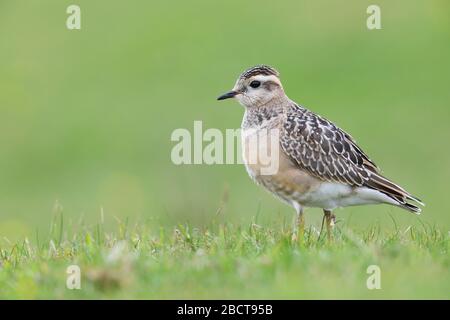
(226, 261)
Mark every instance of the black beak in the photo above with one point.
(228, 95)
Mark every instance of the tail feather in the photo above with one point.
(410, 207)
(413, 198)
(394, 191)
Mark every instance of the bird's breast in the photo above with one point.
(261, 151)
(269, 166)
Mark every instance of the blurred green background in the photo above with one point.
(86, 116)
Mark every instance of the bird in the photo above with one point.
(319, 165)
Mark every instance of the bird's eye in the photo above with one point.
(255, 84)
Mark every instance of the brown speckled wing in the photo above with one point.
(330, 154)
(324, 150)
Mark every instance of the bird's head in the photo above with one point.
(256, 87)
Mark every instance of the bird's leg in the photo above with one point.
(299, 228)
(330, 220)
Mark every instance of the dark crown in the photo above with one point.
(259, 70)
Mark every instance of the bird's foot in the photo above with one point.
(299, 229)
(294, 237)
(330, 220)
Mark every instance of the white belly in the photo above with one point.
(330, 195)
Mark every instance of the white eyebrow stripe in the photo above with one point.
(263, 78)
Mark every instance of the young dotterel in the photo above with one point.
(319, 165)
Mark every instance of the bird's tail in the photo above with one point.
(410, 207)
(395, 192)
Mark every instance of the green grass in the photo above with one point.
(227, 261)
